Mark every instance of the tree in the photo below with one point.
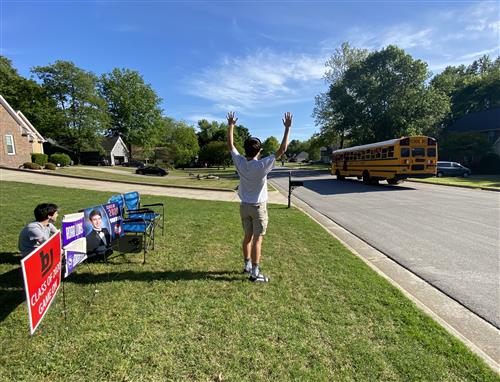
(134, 107)
(467, 148)
(333, 127)
(295, 147)
(314, 145)
(74, 91)
(180, 143)
(214, 131)
(215, 153)
(471, 89)
(386, 96)
(270, 146)
(31, 99)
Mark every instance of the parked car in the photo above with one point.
(151, 170)
(451, 169)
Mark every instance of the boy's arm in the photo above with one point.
(231, 121)
(287, 122)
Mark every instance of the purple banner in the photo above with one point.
(73, 258)
(72, 228)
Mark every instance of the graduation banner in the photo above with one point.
(103, 224)
(42, 278)
(73, 239)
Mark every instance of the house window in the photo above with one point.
(9, 141)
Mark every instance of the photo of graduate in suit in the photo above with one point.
(99, 238)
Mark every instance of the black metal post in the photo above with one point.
(289, 187)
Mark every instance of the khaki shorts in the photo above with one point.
(254, 218)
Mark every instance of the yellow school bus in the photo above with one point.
(393, 160)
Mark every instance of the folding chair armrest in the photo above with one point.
(152, 205)
(138, 211)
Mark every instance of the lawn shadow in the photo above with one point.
(181, 275)
(10, 258)
(11, 292)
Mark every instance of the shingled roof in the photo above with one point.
(109, 142)
(482, 121)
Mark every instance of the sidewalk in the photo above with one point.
(120, 187)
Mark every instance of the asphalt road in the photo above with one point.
(448, 236)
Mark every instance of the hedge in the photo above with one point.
(32, 166)
(60, 159)
(40, 159)
(50, 166)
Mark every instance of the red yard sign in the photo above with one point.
(42, 278)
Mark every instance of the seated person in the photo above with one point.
(39, 231)
(99, 239)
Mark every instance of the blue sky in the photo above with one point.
(258, 58)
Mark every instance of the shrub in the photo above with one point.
(489, 164)
(40, 159)
(60, 159)
(32, 166)
(50, 166)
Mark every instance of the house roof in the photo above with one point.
(477, 122)
(30, 127)
(109, 143)
(22, 125)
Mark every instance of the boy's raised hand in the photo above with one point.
(231, 120)
(287, 120)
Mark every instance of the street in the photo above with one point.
(448, 236)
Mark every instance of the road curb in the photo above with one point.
(456, 185)
(115, 181)
(478, 335)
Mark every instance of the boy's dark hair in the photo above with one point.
(252, 147)
(94, 213)
(44, 210)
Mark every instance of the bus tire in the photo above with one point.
(339, 177)
(366, 177)
(394, 181)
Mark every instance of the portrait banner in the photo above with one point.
(42, 278)
(103, 224)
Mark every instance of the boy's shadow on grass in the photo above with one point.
(11, 285)
(182, 275)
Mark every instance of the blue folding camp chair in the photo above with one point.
(134, 209)
(139, 220)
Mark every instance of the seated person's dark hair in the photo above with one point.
(252, 147)
(44, 210)
(94, 213)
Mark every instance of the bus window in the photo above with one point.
(431, 152)
(405, 152)
(384, 152)
(418, 152)
(390, 152)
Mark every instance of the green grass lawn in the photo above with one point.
(490, 181)
(188, 314)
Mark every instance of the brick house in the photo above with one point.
(16, 138)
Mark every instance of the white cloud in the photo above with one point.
(255, 82)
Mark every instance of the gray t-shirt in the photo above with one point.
(253, 177)
(33, 235)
